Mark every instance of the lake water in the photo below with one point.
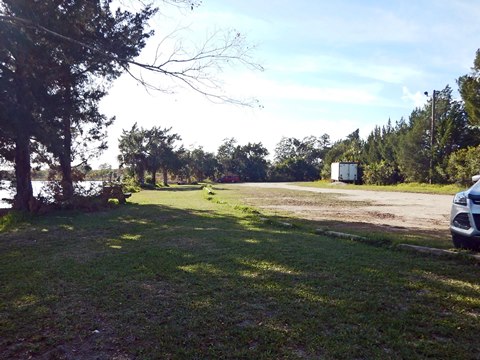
(6, 193)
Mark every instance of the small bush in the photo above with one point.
(112, 202)
(380, 173)
(130, 185)
(463, 164)
(12, 219)
(208, 189)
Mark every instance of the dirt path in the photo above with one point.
(404, 211)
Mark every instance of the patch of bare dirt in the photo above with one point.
(362, 209)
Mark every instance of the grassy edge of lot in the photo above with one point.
(186, 274)
(406, 187)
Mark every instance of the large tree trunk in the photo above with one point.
(140, 172)
(23, 200)
(165, 176)
(67, 180)
(154, 178)
(66, 161)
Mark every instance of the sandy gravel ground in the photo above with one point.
(394, 210)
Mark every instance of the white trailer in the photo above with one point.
(345, 171)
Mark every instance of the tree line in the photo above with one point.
(148, 151)
(408, 150)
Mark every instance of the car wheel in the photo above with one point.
(457, 241)
(461, 242)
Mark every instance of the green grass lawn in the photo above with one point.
(183, 274)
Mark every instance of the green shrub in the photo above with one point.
(130, 185)
(12, 219)
(380, 173)
(112, 202)
(208, 189)
(463, 164)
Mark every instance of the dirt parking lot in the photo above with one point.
(395, 211)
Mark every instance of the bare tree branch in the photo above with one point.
(196, 69)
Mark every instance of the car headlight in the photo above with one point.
(460, 199)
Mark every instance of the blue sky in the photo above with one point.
(330, 67)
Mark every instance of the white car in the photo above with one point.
(465, 217)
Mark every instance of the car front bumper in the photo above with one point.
(465, 220)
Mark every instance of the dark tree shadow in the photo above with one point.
(151, 281)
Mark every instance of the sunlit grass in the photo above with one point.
(12, 219)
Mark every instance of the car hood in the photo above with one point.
(474, 191)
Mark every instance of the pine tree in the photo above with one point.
(52, 60)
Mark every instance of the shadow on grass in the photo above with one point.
(151, 281)
(387, 234)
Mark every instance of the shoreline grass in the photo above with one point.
(186, 274)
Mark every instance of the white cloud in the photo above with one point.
(321, 64)
(259, 85)
(417, 99)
